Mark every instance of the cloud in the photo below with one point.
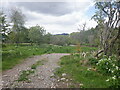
(53, 8)
(58, 24)
(56, 17)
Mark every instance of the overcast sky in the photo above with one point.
(56, 17)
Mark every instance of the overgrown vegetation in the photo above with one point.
(92, 72)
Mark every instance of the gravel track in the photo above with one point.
(43, 76)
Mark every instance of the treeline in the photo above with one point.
(16, 32)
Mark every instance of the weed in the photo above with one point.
(24, 75)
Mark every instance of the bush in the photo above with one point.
(109, 66)
(93, 61)
(106, 65)
(114, 82)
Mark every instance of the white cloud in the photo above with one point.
(61, 24)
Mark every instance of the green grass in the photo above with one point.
(88, 49)
(24, 75)
(12, 54)
(80, 73)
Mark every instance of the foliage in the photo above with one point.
(114, 82)
(107, 65)
(3, 27)
(18, 29)
(109, 32)
(93, 61)
(12, 54)
(110, 66)
(85, 37)
(21, 36)
(60, 40)
(71, 65)
(36, 34)
(24, 75)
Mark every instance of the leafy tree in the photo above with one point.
(3, 27)
(18, 20)
(60, 40)
(47, 38)
(85, 37)
(36, 34)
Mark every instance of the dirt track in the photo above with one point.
(43, 76)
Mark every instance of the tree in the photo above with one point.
(82, 27)
(60, 40)
(110, 29)
(36, 34)
(18, 20)
(3, 26)
(47, 38)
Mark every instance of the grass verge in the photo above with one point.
(81, 73)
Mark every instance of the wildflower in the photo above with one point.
(113, 65)
(113, 77)
(89, 69)
(109, 59)
(81, 84)
(97, 63)
(107, 80)
(117, 67)
(112, 71)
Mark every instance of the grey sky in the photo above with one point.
(53, 8)
(56, 17)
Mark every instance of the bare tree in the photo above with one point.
(82, 27)
(110, 29)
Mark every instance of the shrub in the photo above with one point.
(93, 61)
(109, 66)
(106, 65)
(114, 82)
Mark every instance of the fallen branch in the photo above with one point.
(99, 52)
